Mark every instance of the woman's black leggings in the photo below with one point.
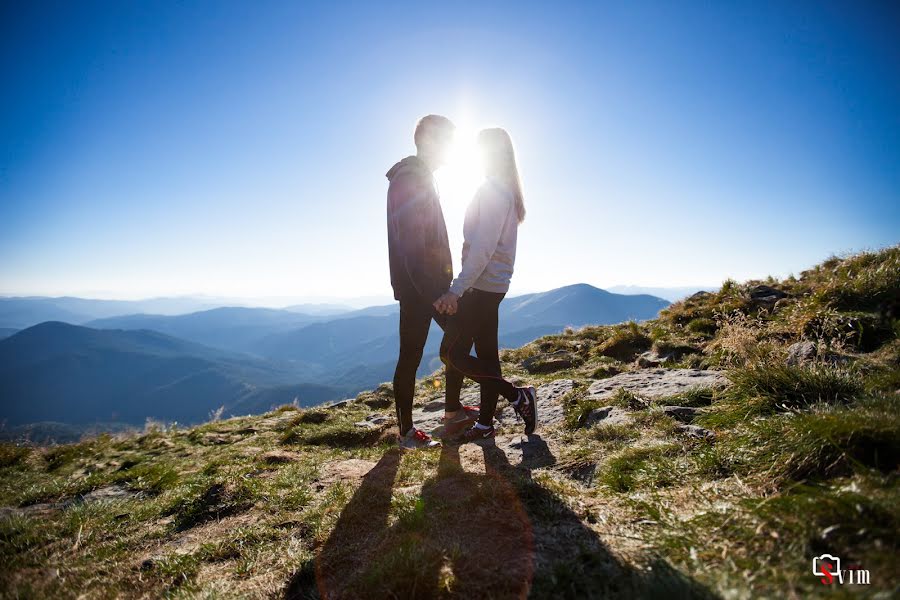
(476, 322)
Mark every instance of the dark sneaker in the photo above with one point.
(527, 408)
(473, 434)
(416, 439)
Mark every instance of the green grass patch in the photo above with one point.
(767, 389)
(693, 397)
(635, 468)
(212, 501)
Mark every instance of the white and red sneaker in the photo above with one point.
(416, 439)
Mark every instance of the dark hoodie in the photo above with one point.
(421, 267)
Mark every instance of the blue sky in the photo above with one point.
(239, 149)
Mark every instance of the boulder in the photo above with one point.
(801, 352)
(765, 296)
(551, 362)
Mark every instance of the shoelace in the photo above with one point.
(421, 436)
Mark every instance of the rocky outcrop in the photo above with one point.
(656, 383)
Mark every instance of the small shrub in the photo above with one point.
(627, 399)
(13, 455)
(702, 326)
(626, 343)
(312, 416)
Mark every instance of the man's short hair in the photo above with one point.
(429, 125)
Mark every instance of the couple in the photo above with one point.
(466, 307)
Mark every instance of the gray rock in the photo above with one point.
(701, 295)
(340, 404)
(801, 352)
(374, 421)
(608, 415)
(766, 296)
(656, 383)
(696, 431)
(110, 492)
(651, 359)
(549, 363)
(684, 414)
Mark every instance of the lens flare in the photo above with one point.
(463, 173)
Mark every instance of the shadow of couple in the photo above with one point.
(496, 534)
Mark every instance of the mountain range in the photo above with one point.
(125, 369)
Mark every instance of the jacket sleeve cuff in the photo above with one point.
(458, 288)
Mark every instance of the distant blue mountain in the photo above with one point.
(128, 368)
(232, 328)
(60, 372)
(324, 310)
(22, 312)
(361, 346)
(576, 305)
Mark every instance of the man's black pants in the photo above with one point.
(415, 321)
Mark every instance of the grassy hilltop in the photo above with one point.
(722, 490)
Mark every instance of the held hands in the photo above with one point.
(447, 304)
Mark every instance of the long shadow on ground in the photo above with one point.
(493, 535)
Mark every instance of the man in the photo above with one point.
(421, 271)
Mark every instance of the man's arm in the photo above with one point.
(410, 216)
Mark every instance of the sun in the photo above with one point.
(460, 177)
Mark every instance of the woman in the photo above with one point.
(488, 255)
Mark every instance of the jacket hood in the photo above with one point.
(407, 164)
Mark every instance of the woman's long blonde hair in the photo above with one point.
(500, 162)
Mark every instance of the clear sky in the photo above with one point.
(156, 148)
